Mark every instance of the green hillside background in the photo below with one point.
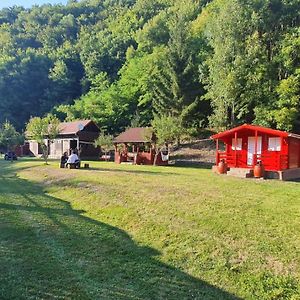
(213, 64)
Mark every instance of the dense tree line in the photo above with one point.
(212, 64)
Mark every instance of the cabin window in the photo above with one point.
(274, 144)
(238, 146)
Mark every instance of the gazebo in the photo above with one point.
(136, 146)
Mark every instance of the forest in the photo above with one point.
(212, 64)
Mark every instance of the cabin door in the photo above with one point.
(251, 149)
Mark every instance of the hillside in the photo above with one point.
(196, 151)
(210, 63)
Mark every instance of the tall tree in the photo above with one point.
(176, 88)
(227, 29)
(105, 142)
(167, 130)
(9, 137)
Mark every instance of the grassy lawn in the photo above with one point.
(139, 232)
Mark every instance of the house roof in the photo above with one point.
(255, 128)
(134, 135)
(74, 127)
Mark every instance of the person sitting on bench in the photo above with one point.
(73, 161)
(63, 160)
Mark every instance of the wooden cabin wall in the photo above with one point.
(89, 151)
(294, 153)
(88, 136)
(272, 160)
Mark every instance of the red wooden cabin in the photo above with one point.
(244, 146)
(136, 146)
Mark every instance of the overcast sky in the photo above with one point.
(28, 3)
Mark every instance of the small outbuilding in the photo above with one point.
(244, 146)
(78, 135)
(136, 146)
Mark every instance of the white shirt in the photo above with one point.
(72, 158)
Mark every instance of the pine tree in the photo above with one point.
(176, 88)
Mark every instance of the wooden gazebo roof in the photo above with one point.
(134, 135)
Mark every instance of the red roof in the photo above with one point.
(72, 127)
(134, 135)
(254, 128)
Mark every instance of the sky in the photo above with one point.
(28, 3)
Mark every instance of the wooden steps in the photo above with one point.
(237, 172)
(241, 172)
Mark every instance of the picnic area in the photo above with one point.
(143, 232)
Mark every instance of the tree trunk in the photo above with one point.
(46, 156)
(45, 153)
(232, 114)
(155, 157)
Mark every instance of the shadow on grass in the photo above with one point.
(193, 164)
(133, 171)
(49, 250)
(162, 169)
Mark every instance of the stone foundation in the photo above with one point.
(289, 174)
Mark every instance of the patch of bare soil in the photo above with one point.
(198, 151)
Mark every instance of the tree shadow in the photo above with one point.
(48, 250)
(163, 170)
(134, 171)
(193, 164)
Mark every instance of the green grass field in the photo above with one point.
(139, 232)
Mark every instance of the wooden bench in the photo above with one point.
(73, 166)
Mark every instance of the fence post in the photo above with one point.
(217, 151)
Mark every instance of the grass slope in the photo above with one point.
(139, 232)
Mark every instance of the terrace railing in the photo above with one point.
(231, 159)
(271, 161)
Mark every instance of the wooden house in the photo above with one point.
(242, 147)
(78, 135)
(136, 146)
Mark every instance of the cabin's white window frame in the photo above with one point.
(274, 144)
(239, 144)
